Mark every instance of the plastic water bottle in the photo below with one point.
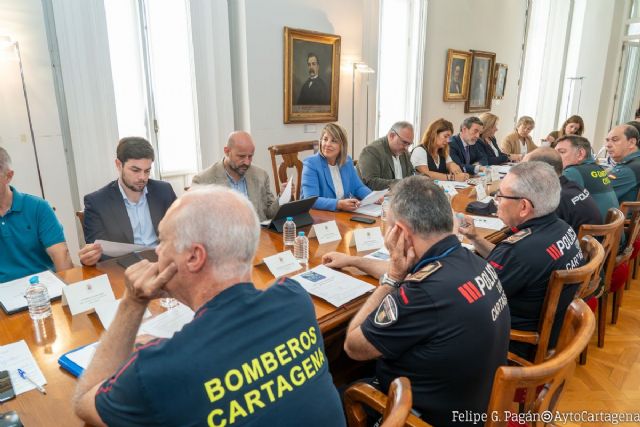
(383, 214)
(301, 248)
(289, 232)
(38, 299)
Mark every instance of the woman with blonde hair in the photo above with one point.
(519, 141)
(432, 158)
(488, 143)
(574, 125)
(330, 173)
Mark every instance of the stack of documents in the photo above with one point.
(18, 356)
(12, 293)
(368, 205)
(488, 222)
(332, 286)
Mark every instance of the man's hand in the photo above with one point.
(403, 257)
(337, 260)
(144, 281)
(467, 228)
(90, 254)
(460, 176)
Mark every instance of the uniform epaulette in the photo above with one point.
(515, 238)
(424, 272)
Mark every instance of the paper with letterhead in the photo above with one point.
(371, 210)
(373, 197)
(325, 232)
(381, 254)
(332, 286)
(84, 296)
(481, 192)
(107, 310)
(285, 197)
(366, 239)
(16, 356)
(168, 323)
(12, 293)
(116, 249)
(282, 263)
(488, 222)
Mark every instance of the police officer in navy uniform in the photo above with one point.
(576, 205)
(581, 168)
(538, 243)
(249, 357)
(622, 146)
(439, 317)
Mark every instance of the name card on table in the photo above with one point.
(325, 232)
(366, 239)
(86, 295)
(495, 174)
(481, 192)
(282, 263)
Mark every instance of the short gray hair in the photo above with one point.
(400, 125)
(631, 132)
(5, 160)
(538, 182)
(470, 121)
(422, 205)
(222, 220)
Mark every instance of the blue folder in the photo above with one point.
(68, 365)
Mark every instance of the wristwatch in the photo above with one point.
(386, 280)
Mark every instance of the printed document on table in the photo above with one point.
(12, 293)
(452, 185)
(488, 222)
(381, 254)
(115, 249)
(83, 356)
(373, 197)
(16, 356)
(168, 323)
(371, 210)
(332, 286)
(503, 169)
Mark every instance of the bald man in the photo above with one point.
(235, 171)
(622, 146)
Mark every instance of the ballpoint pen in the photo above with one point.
(24, 376)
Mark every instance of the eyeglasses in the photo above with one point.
(502, 196)
(406, 143)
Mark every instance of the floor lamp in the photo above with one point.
(358, 67)
(7, 44)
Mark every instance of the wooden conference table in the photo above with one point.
(62, 332)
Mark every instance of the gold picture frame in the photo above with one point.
(456, 79)
(311, 76)
(480, 81)
(499, 80)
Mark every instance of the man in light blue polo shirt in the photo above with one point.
(31, 237)
(129, 209)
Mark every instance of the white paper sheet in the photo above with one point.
(488, 222)
(285, 197)
(83, 356)
(381, 254)
(282, 263)
(12, 293)
(106, 312)
(373, 197)
(16, 356)
(332, 286)
(452, 184)
(87, 294)
(371, 210)
(115, 249)
(168, 323)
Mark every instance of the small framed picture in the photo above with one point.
(456, 79)
(311, 76)
(500, 80)
(481, 81)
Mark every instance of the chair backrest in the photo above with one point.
(80, 216)
(631, 211)
(560, 279)
(289, 154)
(546, 379)
(394, 408)
(610, 233)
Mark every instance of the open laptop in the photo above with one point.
(297, 209)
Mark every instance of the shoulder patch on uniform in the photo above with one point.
(515, 238)
(424, 272)
(387, 313)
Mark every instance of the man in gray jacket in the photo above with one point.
(386, 160)
(235, 171)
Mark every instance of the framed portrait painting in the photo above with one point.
(311, 76)
(456, 79)
(480, 82)
(500, 80)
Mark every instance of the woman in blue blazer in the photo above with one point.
(330, 174)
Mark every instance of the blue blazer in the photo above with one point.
(317, 181)
(476, 154)
(491, 155)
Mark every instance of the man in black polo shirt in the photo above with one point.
(439, 317)
(249, 357)
(537, 244)
(581, 168)
(576, 205)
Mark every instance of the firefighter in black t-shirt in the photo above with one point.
(440, 316)
(537, 244)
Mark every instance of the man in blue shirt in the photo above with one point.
(249, 357)
(622, 146)
(129, 209)
(31, 237)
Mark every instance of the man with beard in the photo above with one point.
(129, 209)
(236, 172)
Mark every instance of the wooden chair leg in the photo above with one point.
(617, 302)
(583, 356)
(602, 317)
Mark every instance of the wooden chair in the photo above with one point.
(586, 277)
(289, 154)
(545, 380)
(631, 211)
(610, 233)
